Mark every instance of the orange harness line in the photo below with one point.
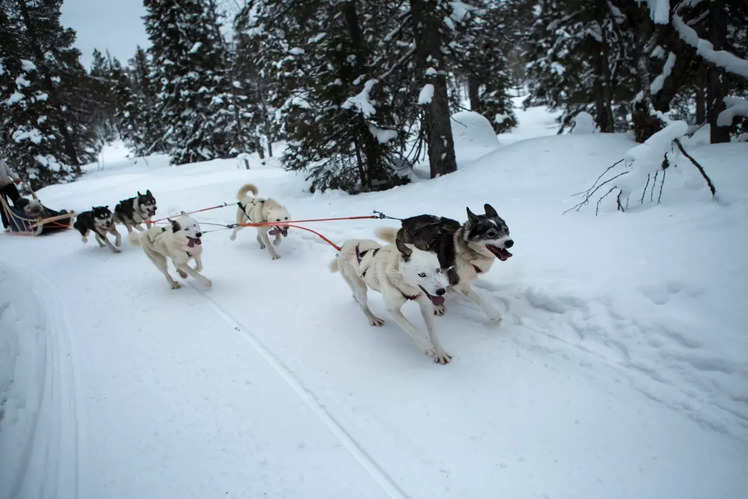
(287, 222)
(318, 234)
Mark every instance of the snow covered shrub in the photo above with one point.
(642, 167)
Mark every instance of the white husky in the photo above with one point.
(180, 243)
(254, 209)
(400, 274)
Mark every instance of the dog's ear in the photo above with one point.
(471, 216)
(403, 249)
(175, 227)
(139, 194)
(488, 209)
(148, 193)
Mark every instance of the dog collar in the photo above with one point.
(408, 297)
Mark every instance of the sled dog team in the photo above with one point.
(420, 261)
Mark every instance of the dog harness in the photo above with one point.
(361, 254)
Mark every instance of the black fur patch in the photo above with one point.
(84, 222)
(126, 208)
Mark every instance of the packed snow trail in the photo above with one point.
(618, 370)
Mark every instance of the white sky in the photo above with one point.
(114, 25)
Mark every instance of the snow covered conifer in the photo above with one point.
(45, 133)
(318, 62)
(190, 64)
(479, 52)
(581, 61)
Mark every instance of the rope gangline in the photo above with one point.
(378, 215)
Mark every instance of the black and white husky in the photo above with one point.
(134, 211)
(98, 220)
(464, 250)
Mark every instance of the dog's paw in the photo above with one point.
(85, 240)
(276, 257)
(376, 322)
(182, 273)
(208, 283)
(494, 317)
(233, 236)
(175, 285)
(117, 250)
(262, 246)
(440, 310)
(439, 356)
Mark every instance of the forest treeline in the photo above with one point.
(359, 90)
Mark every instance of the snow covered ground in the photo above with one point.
(619, 369)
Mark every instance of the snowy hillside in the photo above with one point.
(618, 371)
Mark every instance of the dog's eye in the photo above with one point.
(492, 233)
(422, 274)
(285, 218)
(438, 271)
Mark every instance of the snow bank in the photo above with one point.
(473, 135)
(584, 123)
(37, 417)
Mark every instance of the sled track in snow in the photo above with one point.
(368, 463)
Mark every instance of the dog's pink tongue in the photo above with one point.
(436, 300)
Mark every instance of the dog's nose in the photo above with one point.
(441, 291)
(199, 234)
(508, 243)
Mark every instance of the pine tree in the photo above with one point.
(138, 119)
(480, 51)
(46, 132)
(322, 83)
(582, 61)
(191, 66)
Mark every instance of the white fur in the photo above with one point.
(162, 243)
(388, 272)
(260, 210)
(469, 255)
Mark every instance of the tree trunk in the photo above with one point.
(700, 97)
(436, 120)
(473, 95)
(715, 89)
(369, 144)
(603, 97)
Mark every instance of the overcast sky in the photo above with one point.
(114, 25)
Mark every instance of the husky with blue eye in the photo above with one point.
(179, 242)
(400, 273)
(99, 221)
(254, 209)
(464, 250)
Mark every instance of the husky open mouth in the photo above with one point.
(436, 300)
(278, 230)
(501, 253)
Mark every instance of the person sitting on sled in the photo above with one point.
(8, 189)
